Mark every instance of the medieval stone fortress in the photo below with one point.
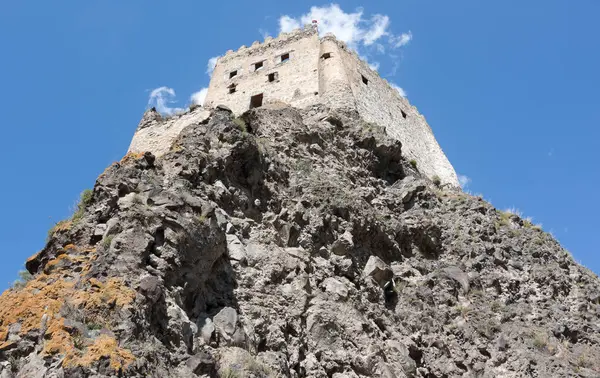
(301, 69)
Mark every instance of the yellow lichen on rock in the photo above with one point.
(106, 347)
(38, 306)
(132, 156)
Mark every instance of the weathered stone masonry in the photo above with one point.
(301, 69)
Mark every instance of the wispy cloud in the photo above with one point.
(287, 24)
(161, 97)
(399, 89)
(464, 181)
(352, 28)
(210, 66)
(199, 97)
(400, 40)
(378, 28)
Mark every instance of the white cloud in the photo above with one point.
(210, 66)
(160, 98)
(373, 65)
(399, 89)
(198, 97)
(378, 29)
(464, 181)
(287, 24)
(361, 33)
(401, 40)
(350, 28)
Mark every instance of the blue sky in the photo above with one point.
(510, 88)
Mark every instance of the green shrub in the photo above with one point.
(24, 277)
(436, 180)
(241, 124)
(413, 163)
(106, 242)
(540, 340)
(85, 199)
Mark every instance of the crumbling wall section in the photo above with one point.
(296, 82)
(156, 134)
(378, 102)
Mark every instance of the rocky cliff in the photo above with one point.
(295, 243)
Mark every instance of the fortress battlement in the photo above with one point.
(270, 43)
(301, 69)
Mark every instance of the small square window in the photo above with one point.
(232, 88)
(256, 101)
(326, 56)
(258, 66)
(403, 114)
(365, 80)
(285, 57)
(232, 74)
(273, 76)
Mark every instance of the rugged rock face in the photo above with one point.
(295, 244)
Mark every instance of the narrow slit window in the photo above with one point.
(256, 101)
(365, 80)
(273, 76)
(258, 66)
(232, 88)
(285, 57)
(403, 114)
(232, 74)
(326, 56)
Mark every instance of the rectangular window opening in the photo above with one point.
(285, 57)
(365, 80)
(258, 66)
(256, 101)
(273, 76)
(232, 74)
(403, 114)
(232, 88)
(326, 56)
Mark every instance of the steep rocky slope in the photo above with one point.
(295, 244)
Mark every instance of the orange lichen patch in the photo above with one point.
(106, 347)
(70, 247)
(107, 294)
(44, 297)
(61, 342)
(55, 263)
(28, 305)
(132, 156)
(58, 339)
(62, 226)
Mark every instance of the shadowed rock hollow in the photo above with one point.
(295, 243)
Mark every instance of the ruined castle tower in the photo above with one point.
(301, 69)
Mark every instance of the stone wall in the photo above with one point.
(156, 134)
(297, 81)
(379, 103)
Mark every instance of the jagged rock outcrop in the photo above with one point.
(295, 243)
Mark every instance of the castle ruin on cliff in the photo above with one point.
(302, 69)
